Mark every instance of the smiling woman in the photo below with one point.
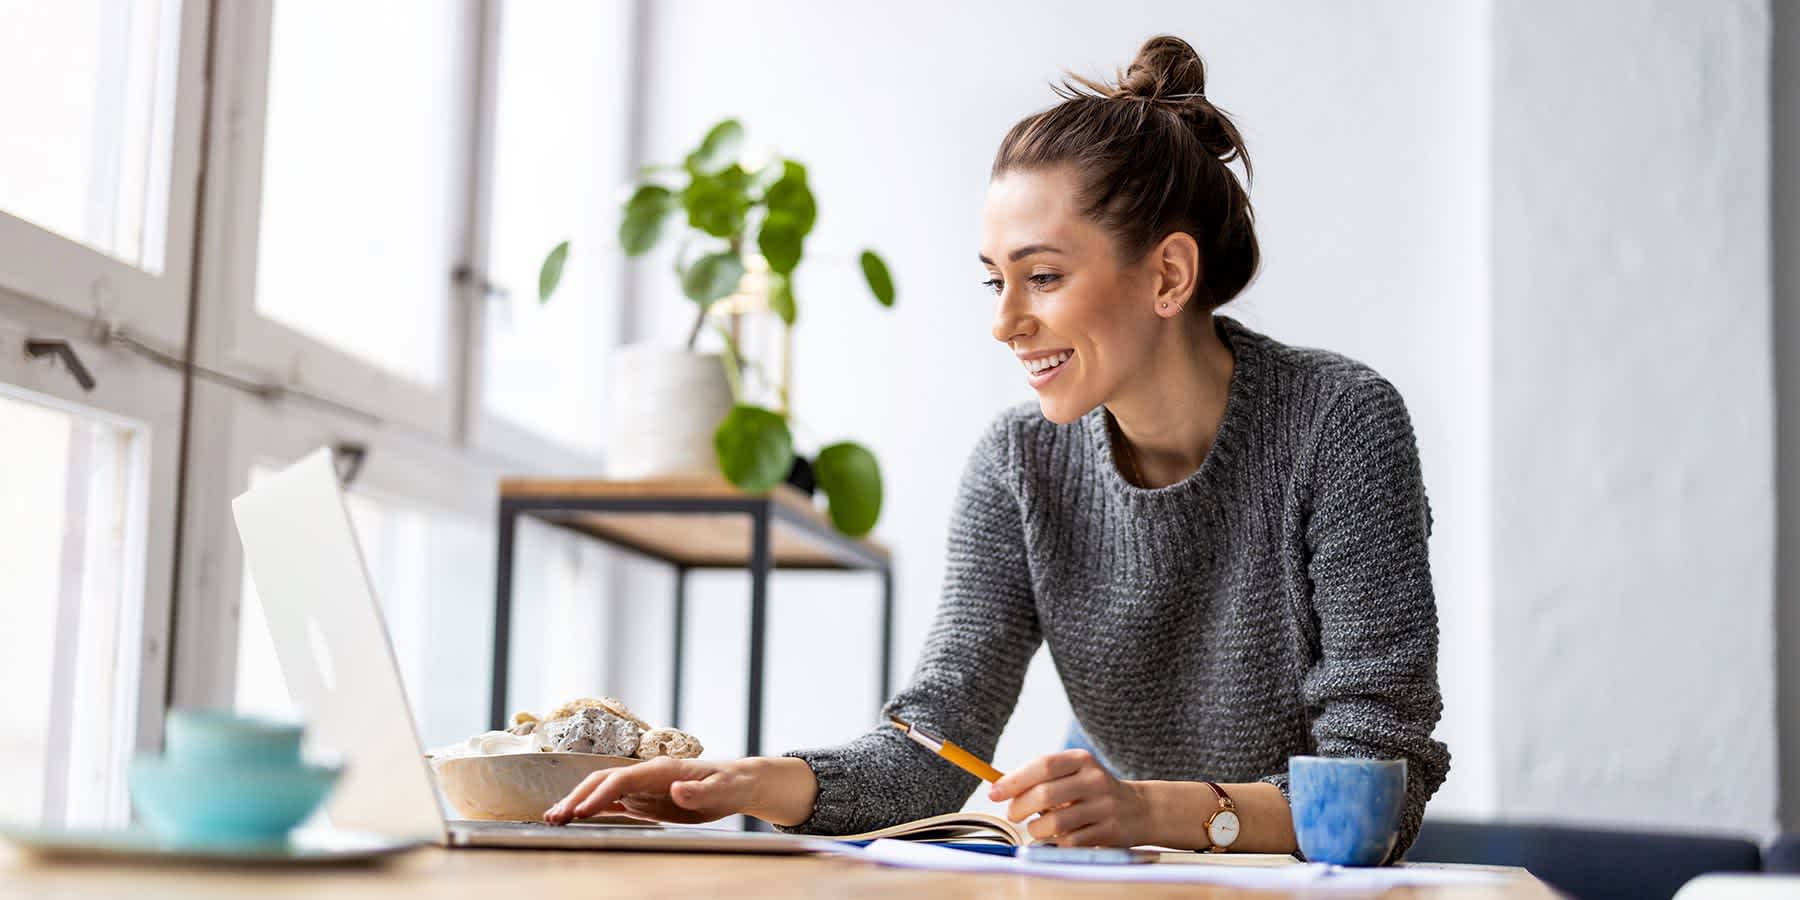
(1221, 538)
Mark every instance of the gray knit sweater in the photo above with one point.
(1276, 602)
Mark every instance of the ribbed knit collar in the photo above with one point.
(1240, 401)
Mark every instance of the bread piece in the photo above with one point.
(668, 742)
(610, 704)
(593, 730)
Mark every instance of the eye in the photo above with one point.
(1045, 279)
(994, 284)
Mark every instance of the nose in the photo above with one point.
(1011, 320)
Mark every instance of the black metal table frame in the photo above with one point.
(763, 511)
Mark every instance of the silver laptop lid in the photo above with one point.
(303, 556)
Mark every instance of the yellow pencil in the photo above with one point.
(964, 760)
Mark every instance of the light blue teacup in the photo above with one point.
(228, 779)
(218, 737)
(1346, 810)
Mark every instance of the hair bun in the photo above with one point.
(1166, 68)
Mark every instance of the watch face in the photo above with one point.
(1223, 829)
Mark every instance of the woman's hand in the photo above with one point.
(664, 789)
(690, 791)
(1077, 802)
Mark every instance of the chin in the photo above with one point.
(1060, 410)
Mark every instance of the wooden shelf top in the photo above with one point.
(800, 535)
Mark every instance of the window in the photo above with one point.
(86, 150)
(73, 531)
(361, 174)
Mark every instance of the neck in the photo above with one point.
(1170, 413)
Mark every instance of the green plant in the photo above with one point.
(728, 214)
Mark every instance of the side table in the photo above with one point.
(689, 523)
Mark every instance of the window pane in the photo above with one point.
(434, 578)
(88, 89)
(559, 168)
(360, 176)
(69, 545)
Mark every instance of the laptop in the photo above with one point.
(332, 643)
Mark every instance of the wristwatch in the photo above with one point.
(1222, 825)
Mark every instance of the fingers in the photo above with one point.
(600, 791)
(1049, 795)
(558, 814)
(1042, 769)
(1100, 834)
(1089, 820)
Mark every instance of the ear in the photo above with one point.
(1175, 263)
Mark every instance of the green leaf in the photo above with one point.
(765, 177)
(645, 214)
(718, 150)
(790, 196)
(712, 276)
(780, 239)
(781, 298)
(851, 479)
(551, 272)
(880, 283)
(754, 448)
(717, 203)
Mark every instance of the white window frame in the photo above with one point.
(432, 448)
(38, 263)
(233, 432)
(254, 343)
(132, 392)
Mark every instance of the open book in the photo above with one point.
(958, 827)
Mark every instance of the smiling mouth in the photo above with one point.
(1048, 364)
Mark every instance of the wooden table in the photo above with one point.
(435, 874)
(690, 523)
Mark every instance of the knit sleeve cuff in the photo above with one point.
(835, 803)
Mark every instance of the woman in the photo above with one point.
(1222, 538)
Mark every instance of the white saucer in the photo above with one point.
(302, 848)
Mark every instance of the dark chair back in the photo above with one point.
(1588, 863)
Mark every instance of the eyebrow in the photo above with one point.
(1023, 252)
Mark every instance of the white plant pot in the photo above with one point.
(662, 406)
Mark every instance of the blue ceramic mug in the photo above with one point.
(1346, 810)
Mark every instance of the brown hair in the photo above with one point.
(1151, 154)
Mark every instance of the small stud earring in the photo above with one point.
(1163, 305)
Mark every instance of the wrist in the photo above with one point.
(1146, 820)
(1178, 811)
(782, 788)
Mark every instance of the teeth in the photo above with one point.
(1049, 362)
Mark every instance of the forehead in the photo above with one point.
(1033, 207)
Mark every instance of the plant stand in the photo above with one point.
(690, 524)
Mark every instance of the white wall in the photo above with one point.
(1632, 469)
(1366, 129)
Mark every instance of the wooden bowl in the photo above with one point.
(518, 787)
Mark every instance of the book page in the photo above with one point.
(963, 826)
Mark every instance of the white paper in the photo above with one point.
(914, 855)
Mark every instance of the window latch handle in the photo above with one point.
(63, 350)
